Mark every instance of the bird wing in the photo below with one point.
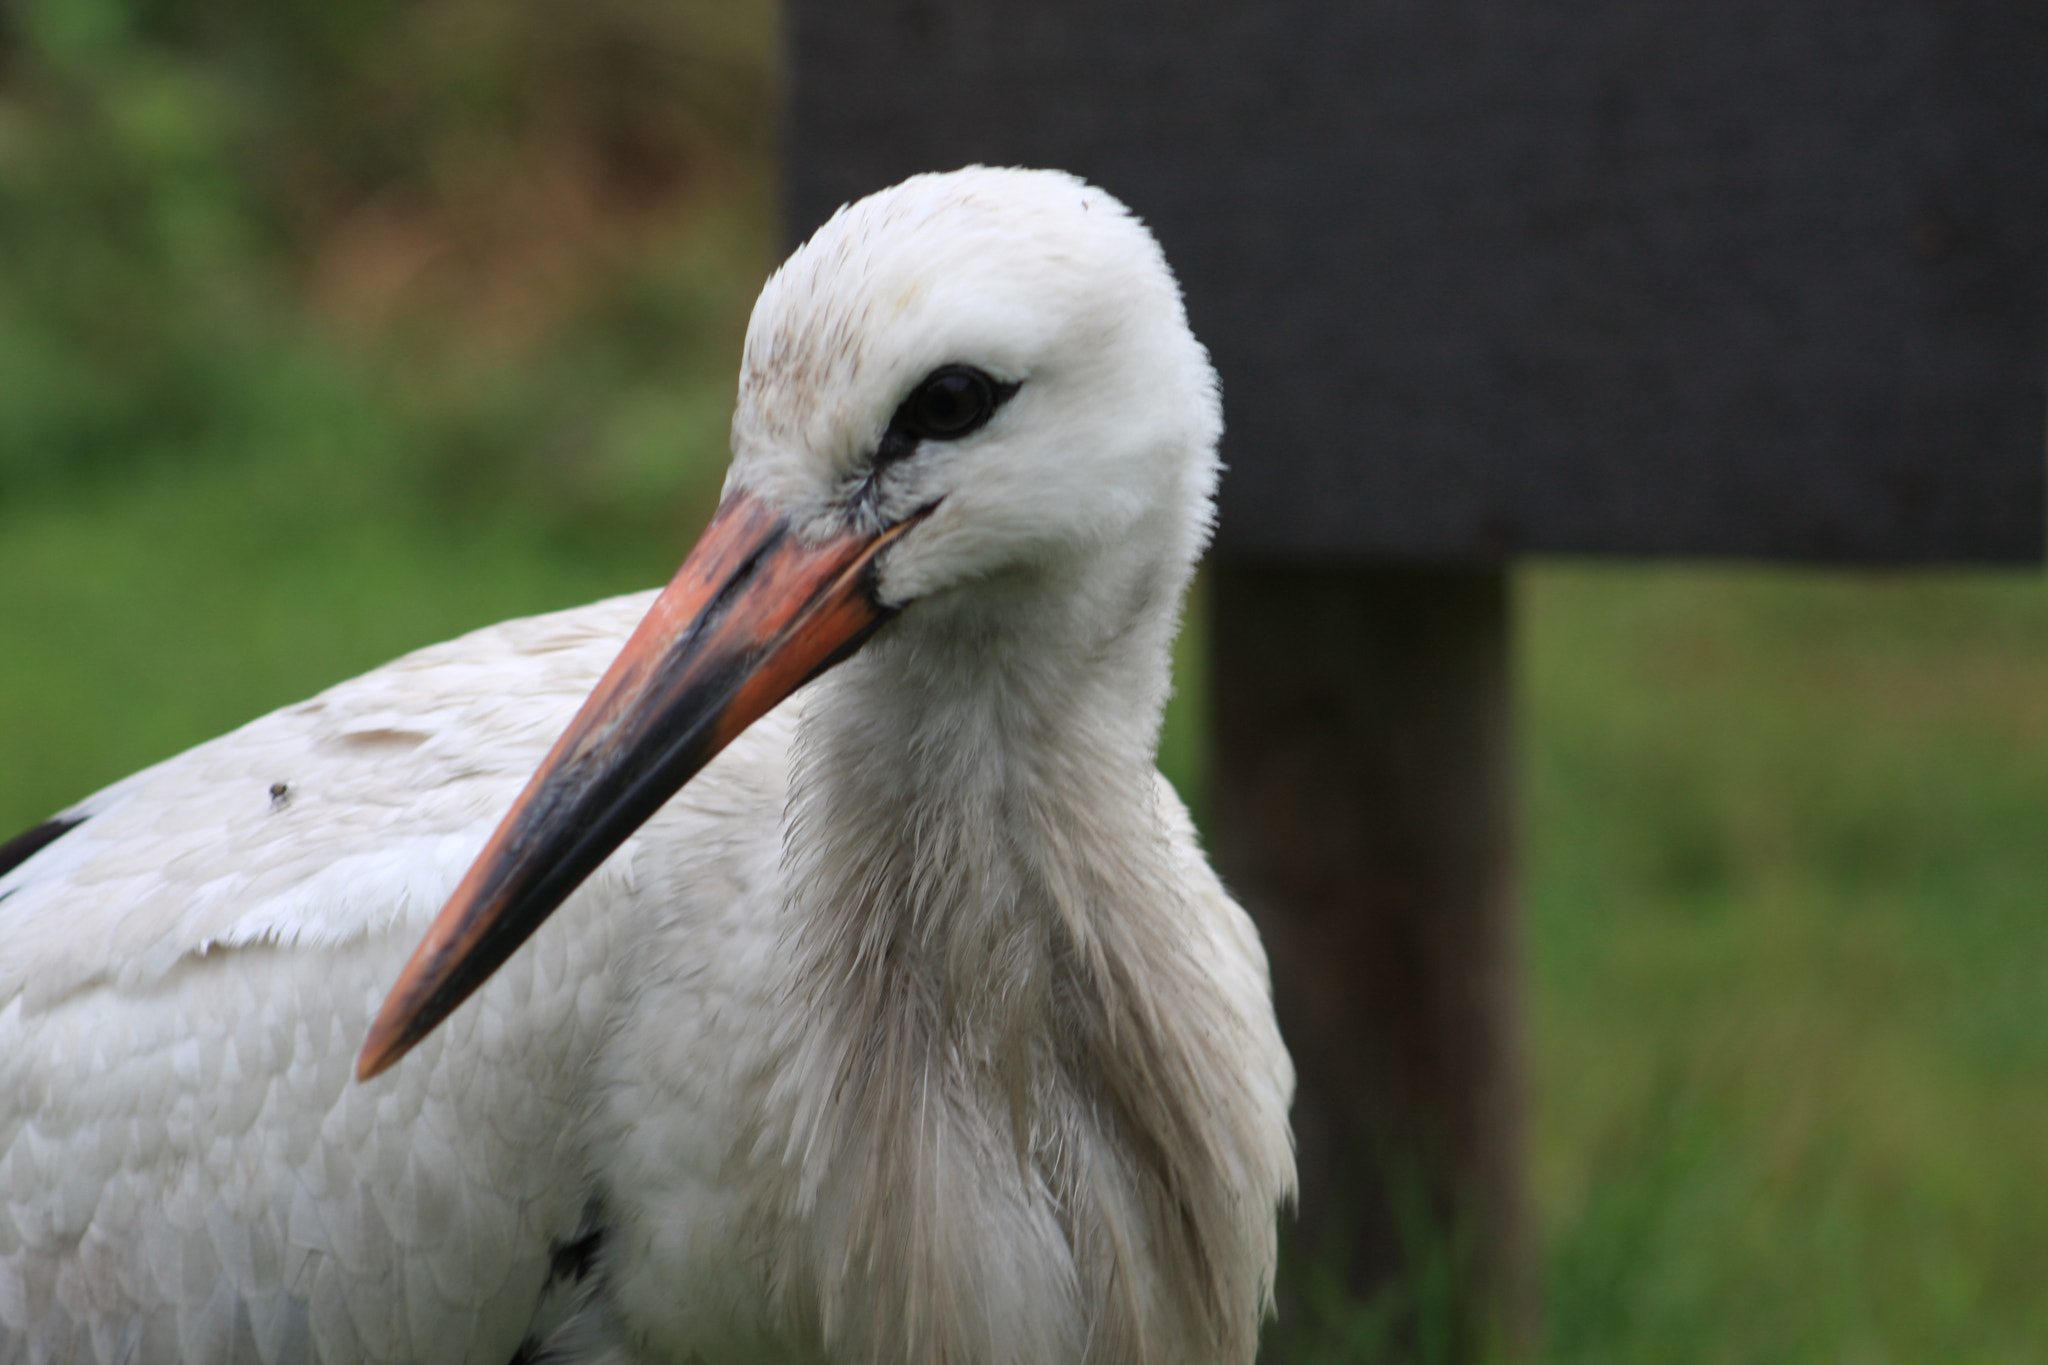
(187, 1170)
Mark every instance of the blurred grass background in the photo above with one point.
(327, 331)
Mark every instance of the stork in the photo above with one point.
(914, 1028)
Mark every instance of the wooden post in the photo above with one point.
(1362, 794)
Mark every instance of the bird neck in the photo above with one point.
(1010, 1074)
(957, 786)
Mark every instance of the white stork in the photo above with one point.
(914, 1029)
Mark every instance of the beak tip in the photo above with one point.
(369, 1066)
(382, 1050)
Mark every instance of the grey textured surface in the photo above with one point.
(1498, 277)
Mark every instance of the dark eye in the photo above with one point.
(952, 401)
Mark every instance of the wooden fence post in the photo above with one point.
(1362, 801)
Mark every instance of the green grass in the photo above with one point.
(1788, 898)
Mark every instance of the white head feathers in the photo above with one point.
(1033, 278)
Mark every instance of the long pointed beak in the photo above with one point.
(753, 613)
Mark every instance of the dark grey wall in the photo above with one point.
(1490, 277)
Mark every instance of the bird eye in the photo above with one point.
(952, 401)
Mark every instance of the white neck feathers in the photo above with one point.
(1015, 1030)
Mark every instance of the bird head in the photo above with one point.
(1001, 351)
(958, 381)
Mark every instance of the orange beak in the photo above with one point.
(752, 615)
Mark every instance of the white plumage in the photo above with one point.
(914, 1029)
